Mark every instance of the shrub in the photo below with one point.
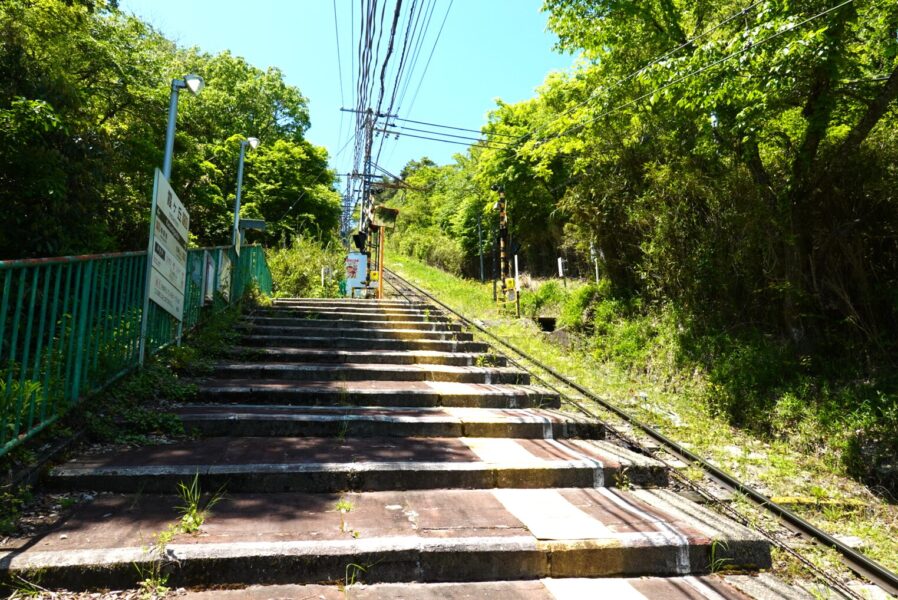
(547, 300)
(296, 271)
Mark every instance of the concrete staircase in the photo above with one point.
(375, 441)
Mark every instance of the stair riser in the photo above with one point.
(343, 316)
(380, 333)
(452, 560)
(520, 378)
(393, 359)
(329, 478)
(352, 310)
(336, 428)
(347, 302)
(386, 399)
(348, 325)
(362, 344)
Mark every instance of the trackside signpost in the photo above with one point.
(166, 256)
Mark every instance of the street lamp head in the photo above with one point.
(194, 83)
(253, 142)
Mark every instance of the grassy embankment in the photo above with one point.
(642, 372)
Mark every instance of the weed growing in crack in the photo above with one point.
(192, 516)
(719, 563)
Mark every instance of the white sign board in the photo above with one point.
(169, 234)
(356, 272)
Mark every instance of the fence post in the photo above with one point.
(83, 317)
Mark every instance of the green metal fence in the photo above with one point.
(71, 325)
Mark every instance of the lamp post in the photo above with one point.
(253, 143)
(195, 84)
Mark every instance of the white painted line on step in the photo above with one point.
(683, 563)
(500, 450)
(550, 516)
(598, 467)
(579, 589)
(703, 588)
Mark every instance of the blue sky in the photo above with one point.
(488, 49)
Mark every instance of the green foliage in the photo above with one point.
(433, 247)
(83, 96)
(128, 412)
(18, 400)
(12, 501)
(546, 300)
(296, 270)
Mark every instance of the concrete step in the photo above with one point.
(349, 309)
(397, 536)
(337, 314)
(301, 464)
(398, 357)
(382, 332)
(348, 302)
(687, 587)
(350, 324)
(369, 372)
(362, 343)
(374, 393)
(212, 420)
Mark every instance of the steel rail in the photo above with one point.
(858, 562)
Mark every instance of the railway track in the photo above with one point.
(576, 396)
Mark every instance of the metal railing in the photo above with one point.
(71, 325)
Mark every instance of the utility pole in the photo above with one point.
(366, 175)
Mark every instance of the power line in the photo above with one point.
(452, 127)
(339, 60)
(429, 58)
(484, 144)
(440, 133)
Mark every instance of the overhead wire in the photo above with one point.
(484, 144)
(451, 135)
(429, 58)
(452, 127)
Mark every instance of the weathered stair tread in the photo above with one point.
(375, 393)
(254, 420)
(338, 314)
(378, 305)
(369, 371)
(362, 343)
(447, 535)
(349, 324)
(349, 301)
(607, 588)
(406, 357)
(274, 464)
(387, 331)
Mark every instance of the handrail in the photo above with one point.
(70, 325)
